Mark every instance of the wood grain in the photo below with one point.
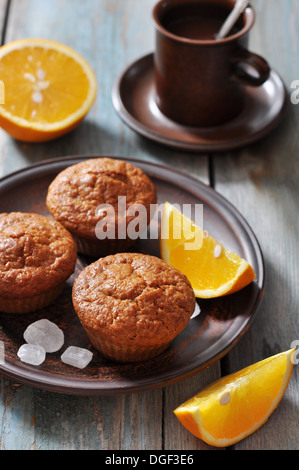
(4, 11)
(110, 34)
(263, 182)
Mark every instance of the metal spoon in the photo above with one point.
(239, 8)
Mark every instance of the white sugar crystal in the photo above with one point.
(77, 357)
(46, 334)
(32, 354)
(196, 311)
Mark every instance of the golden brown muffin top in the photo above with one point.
(36, 254)
(133, 298)
(76, 192)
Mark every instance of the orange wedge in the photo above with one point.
(235, 406)
(212, 270)
(49, 88)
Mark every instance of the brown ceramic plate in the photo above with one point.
(208, 337)
(133, 97)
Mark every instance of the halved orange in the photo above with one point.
(235, 406)
(212, 269)
(49, 88)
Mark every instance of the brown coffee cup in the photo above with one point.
(201, 81)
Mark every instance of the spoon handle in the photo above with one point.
(239, 8)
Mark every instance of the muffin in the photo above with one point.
(97, 199)
(37, 255)
(132, 305)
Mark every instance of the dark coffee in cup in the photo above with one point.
(200, 80)
(200, 21)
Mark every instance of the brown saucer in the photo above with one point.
(133, 98)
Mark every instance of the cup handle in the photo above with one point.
(260, 65)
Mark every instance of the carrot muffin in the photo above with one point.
(132, 305)
(97, 199)
(36, 256)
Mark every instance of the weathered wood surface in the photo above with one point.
(261, 180)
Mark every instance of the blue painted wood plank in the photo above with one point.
(263, 182)
(109, 34)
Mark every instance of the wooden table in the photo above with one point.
(261, 180)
